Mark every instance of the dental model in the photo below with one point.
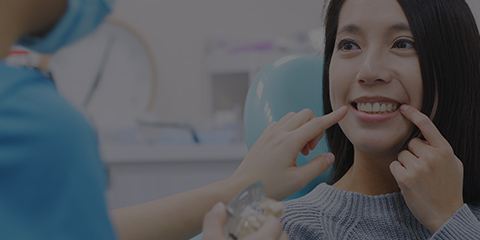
(249, 211)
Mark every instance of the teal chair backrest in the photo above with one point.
(289, 85)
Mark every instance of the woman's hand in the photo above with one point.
(214, 227)
(429, 174)
(272, 159)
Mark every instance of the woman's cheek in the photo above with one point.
(334, 95)
(338, 91)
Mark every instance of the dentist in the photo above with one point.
(52, 181)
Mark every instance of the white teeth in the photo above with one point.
(368, 108)
(377, 107)
(383, 107)
(389, 107)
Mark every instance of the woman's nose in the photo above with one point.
(373, 71)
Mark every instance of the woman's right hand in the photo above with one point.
(272, 159)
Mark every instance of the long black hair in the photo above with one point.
(447, 43)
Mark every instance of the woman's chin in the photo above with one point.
(377, 149)
(377, 140)
(380, 146)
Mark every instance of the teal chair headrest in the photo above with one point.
(288, 85)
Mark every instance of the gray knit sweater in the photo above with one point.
(330, 213)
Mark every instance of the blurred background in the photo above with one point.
(164, 82)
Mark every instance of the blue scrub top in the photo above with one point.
(52, 182)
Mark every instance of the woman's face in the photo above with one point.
(374, 69)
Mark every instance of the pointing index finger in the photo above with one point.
(317, 126)
(332, 118)
(426, 126)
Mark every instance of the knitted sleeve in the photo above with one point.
(464, 224)
(297, 229)
(301, 221)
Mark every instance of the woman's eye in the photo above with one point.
(404, 44)
(347, 45)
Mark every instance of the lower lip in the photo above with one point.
(374, 118)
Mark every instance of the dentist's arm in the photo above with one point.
(271, 160)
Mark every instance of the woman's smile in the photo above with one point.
(375, 109)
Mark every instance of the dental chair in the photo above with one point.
(289, 85)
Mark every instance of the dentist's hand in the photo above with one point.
(272, 159)
(429, 174)
(214, 223)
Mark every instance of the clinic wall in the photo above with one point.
(178, 30)
(475, 6)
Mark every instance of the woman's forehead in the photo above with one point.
(356, 15)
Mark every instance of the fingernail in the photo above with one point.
(219, 207)
(330, 157)
(403, 107)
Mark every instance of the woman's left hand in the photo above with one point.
(429, 174)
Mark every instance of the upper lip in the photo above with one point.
(375, 99)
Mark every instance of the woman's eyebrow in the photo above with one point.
(355, 29)
(350, 28)
(399, 27)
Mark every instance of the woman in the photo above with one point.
(52, 181)
(400, 173)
